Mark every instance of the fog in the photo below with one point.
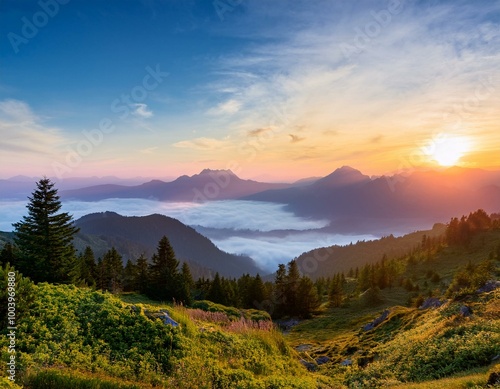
(265, 248)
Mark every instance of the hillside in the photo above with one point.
(326, 261)
(133, 236)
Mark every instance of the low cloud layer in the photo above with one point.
(239, 216)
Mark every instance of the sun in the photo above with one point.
(448, 150)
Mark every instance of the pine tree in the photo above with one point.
(142, 280)
(336, 294)
(257, 293)
(186, 285)
(164, 275)
(8, 254)
(45, 236)
(216, 292)
(292, 285)
(307, 297)
(84, 271)
(112, 267)
(130, 276)
(279, 293)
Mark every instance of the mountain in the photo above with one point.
(132, 236)
(20, 187)
(207, 185)
(348, 197)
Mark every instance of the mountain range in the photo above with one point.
(205, 186)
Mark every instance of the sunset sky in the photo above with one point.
(275, 90)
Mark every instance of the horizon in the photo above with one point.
(275, 92)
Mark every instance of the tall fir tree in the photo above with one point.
(216, 292)
(45, 237)
(142, 280)
(112, 268)
(186, 285)
(164, 275)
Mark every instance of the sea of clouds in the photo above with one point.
(238, 218)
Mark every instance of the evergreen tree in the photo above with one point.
(164, 275)
(84, 271)
(130, 277)
(7, 255)
(45, 236)
(112, 267)
(186, 285)
(292, 285)
(216, 291)
(142, 280)
(307, 297)
(257, 292)
(336, 294)
(279, 293)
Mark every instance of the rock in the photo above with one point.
(494, 379)
(309, 365)
(489, 286)
(322, 360)
(495, 358)
(465, 311)
(286, 325)
(346, 362)
(303, 347)
(377, 321)
(167, 320)
(431, 302)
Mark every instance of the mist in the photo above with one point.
(235, 218)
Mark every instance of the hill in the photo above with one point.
(133, 236)
(207, 185)
(326, 261)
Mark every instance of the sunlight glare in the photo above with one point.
(448, 150)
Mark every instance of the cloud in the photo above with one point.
(296, 138)
(149, 150)
(141, 110)
(244, 218)
(202, 144)
(258, 131)
(23, 134)
(228, 107)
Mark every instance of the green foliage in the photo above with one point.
(50, 379)
(45, 236)
(76, 328)
(469, 278)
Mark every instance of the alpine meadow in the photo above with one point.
(237, 194)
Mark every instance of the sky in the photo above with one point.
(273, 90)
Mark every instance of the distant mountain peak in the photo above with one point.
(217, 171)
(343, 176)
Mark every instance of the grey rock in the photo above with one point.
(322, 360)
(303, 347)
(346, 362)
(489, 286)
(465, 311)
(309, 365)
(431, 302)
(377, 321)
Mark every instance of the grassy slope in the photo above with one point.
(337, 333)
(77, 338)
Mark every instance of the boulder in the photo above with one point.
(489, 286)
(322, 360)
(303, 347)
(309, 365)
(465, 311)
(346, 362)
(431, 302)
(377, 321)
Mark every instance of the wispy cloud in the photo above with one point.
(142, 111)
(226, 108)
(295, 138)
(202, 144)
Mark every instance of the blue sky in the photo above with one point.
(277, 90)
